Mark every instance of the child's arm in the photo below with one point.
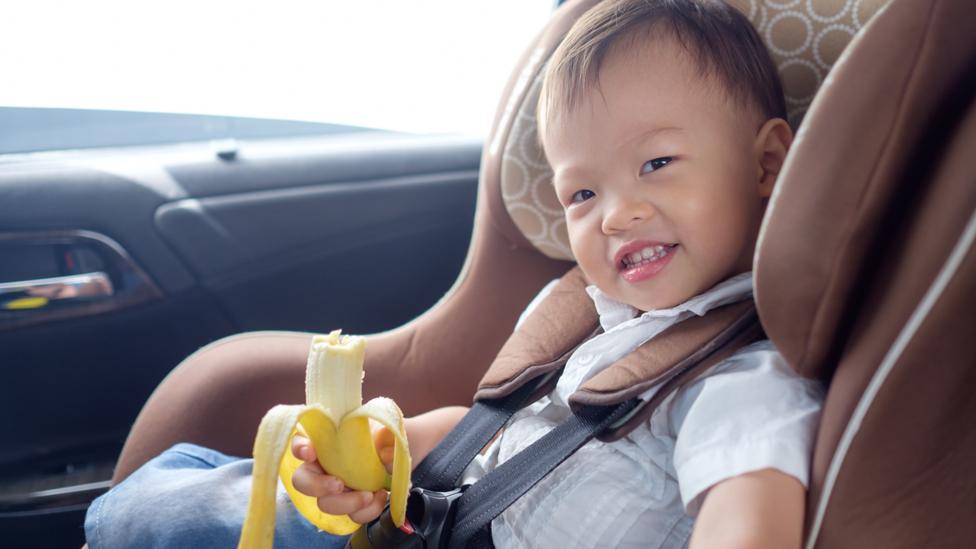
(424, 432)
(755, 510)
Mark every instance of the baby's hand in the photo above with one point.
(331, 494)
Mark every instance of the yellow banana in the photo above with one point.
(337, 423)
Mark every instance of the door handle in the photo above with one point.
(39, 293)
(109, 280)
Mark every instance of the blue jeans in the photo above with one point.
(191, 497)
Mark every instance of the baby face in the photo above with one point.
(660, 177)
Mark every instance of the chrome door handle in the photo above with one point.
(111, 281)
(35, 294)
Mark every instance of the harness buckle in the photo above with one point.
(429, 515)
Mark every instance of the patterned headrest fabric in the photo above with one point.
(805, 38)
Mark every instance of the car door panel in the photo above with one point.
(263, 252)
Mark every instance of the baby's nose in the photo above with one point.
(627, 213)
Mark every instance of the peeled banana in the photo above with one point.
(337, 423)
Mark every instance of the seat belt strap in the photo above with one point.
(494, 492)
(441, 470)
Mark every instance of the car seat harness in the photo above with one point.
(443, 514)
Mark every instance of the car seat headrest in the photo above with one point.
(805, 38)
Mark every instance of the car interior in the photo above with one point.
(162, 294)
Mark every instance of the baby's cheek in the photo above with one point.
(732, 242)
(582, 241)
(717, 240)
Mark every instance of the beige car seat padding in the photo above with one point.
(566, 318)
(805, 38)
(545, 339)
(739, 327)
(673, 351)
(669, 361)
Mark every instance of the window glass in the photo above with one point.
(427, 66)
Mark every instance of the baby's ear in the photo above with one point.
(772, 143)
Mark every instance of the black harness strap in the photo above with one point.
(441, 470)
(494, 492)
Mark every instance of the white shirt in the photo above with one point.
(747, 413)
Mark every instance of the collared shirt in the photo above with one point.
(747, 413)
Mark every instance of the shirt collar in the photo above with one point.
(614, 313)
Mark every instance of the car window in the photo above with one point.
(107, 72)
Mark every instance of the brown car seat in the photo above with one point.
(866, 277)
(874, 199)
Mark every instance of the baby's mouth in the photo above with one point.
(645, 256)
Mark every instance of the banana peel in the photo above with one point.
(338, 425)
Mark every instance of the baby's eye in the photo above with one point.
(655, 164)
(581, 196)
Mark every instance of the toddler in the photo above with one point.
(663, 121)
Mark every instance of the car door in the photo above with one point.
(117, 264)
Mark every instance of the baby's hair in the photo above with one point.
(719, 38)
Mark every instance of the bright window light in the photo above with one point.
(426, 66)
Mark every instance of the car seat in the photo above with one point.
(864, 273)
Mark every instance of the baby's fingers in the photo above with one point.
(302, 449)
(311, 480)
(346, 503)
(386, 456)
(372, 509)
(385, 442)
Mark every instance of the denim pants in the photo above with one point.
(191, 497)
